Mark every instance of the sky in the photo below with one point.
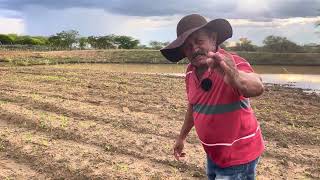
(148, 20)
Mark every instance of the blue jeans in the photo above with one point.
(238, 172)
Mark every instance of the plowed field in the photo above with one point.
(58, 122)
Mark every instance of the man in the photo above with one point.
(218, 86)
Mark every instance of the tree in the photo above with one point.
(126, 42)
(92, 40)
(41, 40)
(102, 42)
(65, 39)
(36, 41)
(280, 44)
(244, 44)
(13, 37)
(106, 42)
(23, 40)
(83, 41)
(54, 41)
(5, 39)
(157, 44)
(27, 40)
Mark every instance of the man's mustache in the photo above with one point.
(198, 53)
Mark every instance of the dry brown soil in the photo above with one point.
(78, 123)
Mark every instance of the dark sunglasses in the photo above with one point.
(206, 84)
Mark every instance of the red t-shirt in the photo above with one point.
(223, 119)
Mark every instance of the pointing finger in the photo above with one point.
(210, 54)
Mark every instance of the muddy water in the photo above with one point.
(306, 77)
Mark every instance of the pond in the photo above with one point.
(306, 77)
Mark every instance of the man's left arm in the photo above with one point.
(249, 84)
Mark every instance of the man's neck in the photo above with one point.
(200, 71)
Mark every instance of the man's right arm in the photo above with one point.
(185, 129)
(187, 124)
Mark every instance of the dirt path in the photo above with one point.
(72, 123)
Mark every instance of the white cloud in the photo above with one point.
(275, 23)
(11, 25)
(232, 9)
(96, 22)
(151, 23)
(299, 33)
(87, 21)
(251, 8)
(38, 20)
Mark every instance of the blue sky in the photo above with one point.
(148, 20)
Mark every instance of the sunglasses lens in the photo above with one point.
(206, 84)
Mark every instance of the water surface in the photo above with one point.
(306, 77)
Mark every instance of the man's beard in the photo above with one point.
(203, 52)
(199, 53)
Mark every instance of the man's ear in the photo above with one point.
(213, 36)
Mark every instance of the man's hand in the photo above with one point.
(223, 64)
(185, 129)
(248, 84)
(178, 148)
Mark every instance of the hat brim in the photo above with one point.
(172, 51)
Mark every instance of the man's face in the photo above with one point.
(198, 45)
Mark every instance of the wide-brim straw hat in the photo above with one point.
(189, 24)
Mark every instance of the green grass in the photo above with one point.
(155, 57)
(265, 58)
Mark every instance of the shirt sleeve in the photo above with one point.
(242, 65)
(189, 70)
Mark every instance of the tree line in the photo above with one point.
(273, 44)
(72, 40)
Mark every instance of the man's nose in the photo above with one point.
(195, 48)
